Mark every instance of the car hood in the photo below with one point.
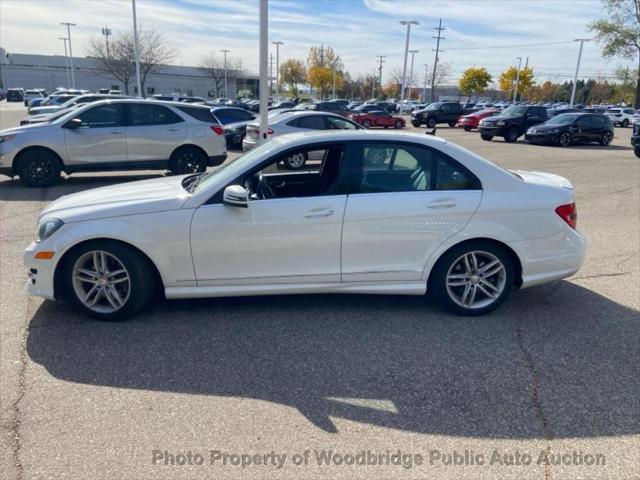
(45, 109)
(22, 128)
(541, 127)
(132, 198)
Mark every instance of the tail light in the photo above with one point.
(568, 213)
(218, 130)
(270, 131)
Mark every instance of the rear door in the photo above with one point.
(404, 201)
(153, 131)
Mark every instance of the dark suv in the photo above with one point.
(569, 128)
(513, 122)
(15, 95)
(635, 139)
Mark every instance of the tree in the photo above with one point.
(474, 81)
(293, 72)
(507, 80)
(443, 72)
(619, 34)
(213, 67)
(119, 60)
(322, 63)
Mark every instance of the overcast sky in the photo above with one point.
(357, 29)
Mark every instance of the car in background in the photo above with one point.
(552, 112)
(331, 107)
(234, 121)
(51, 101)
(365, 108)
(636, 118)
(570, 128)
(178, 98)
(342, 101)
(439, 112)
(512, 123)
(34, 93)
(353, 105)
(635, 139)
(127, 134)
(380, 212)
(471, 120)
(377, 119)
(621, 116)
(297, 122)
(15, 95)
(283, 104)
(406, 106)
(72, 102)
(389, 107)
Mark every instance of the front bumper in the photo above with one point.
(541, 139)
(493, 131)
(40, 281)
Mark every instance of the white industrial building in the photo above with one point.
(52, 71)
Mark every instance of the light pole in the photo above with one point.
(408, 23)
(136, 50)
(413, 54)
(264, 55)
(277, 44)
(515, 91)
(73, 76)
(575, 77)
(424, 87)
(66, 60)
(106, 31)
(226, 90)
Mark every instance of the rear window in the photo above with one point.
(613, 110)
(199, 113)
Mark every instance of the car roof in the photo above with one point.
(355, 135)
(285, 116)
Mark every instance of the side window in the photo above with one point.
(450, 175)
(583, 122)
(312, 122)
(149, 114)
(336, 123)
(102, 116)
(597, 122)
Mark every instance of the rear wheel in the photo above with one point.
(473, 278)
(486, 137)
(366, 124)
(398, 124)
(416, 123)
(296, 161)
(108, 280)
(625, 123)
(512, 135)
(467, 129)
(565, 139)
(187, 160)
(606, 138)
(452, 124)
(38, 168)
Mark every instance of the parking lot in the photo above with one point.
(554, 371)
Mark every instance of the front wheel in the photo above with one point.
(416, 123)
(606, 139)
(486, 137)
(431, 122)
(108, 280)
(187, 160)
(38, 168)
(512, 135)
(472, 279)
(565, 139)
(452, 124)
(366, 124)
(467, 129)
(398, 124)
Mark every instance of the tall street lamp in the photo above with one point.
(263, 56)
(226, 90)
(73, 76)
(413, 54)
(106, 31)
(408, 23)
(277, 44)
(136, 49)
(515, 91)
(575, 78)
(66, 60)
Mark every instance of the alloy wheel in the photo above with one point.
(101, 282)
(188, 162)
(476, 279)
(565, 139)
(39, 168)
(606, 138)
(296, 160)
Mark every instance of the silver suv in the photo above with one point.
(114, 135)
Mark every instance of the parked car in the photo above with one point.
(114, 135)
(621, 116)
(178, 98)
(234, 120)
(297, 122)
(635, 139)
(406, 106)
(51, 101)
(15, 95)
(636, 117)
(568, 128)
(471, 120)
(365, 108)
(439, 112)
(107, 250)
(34, 93)
(377, 119)
(72, 102)
(283, 104)
(353, 105)
(45, 117)
(331, 107)
(512, 123)
(552, 112)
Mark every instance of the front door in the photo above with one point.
(290, 233)
(405, 201)
(101, 137)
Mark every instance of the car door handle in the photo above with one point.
(442, 203)
(320, 212)
(116, 132)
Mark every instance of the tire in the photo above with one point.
(38, 168)
(636, 150)
(452, 124)
(457, 285)
(606, 139)
(416, 123)
(467, 129)
(366, 123)
(296, 162)
(512, 135)
(431, 122)
(486, 137)
(625, 123)
(133, 278)
(565, 139)
(398, 124)
(187, 160)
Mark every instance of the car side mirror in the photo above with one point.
(73, 124)
(236, 196)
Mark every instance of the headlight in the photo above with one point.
(500, 123)
(482, 122)
(6, 138)
(48, 228)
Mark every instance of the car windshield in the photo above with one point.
(229, 168)
(563, 119)
(514, 111)
(434, 106)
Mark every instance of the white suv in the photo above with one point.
(621, 116)
(114, 135)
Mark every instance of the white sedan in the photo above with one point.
(381, 212)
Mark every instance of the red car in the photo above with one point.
(472, 120)
(377, 119)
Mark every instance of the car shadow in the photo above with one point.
(556, 360)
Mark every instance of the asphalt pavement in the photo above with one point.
(336, 386)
